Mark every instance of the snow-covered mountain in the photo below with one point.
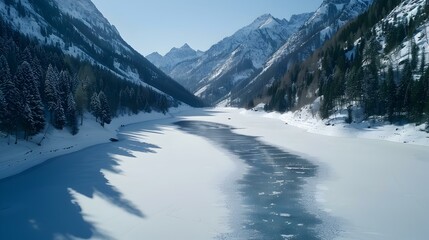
(407, 11)
(235, 59)
(81, 31)
(373, 68)
(328, 18)
(325, 22)
(173, 57)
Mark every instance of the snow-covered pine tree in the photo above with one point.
(38, 73)
(95, 106)
(71, 114)
(51, 92)
(26, 56)
(105, 116)
(371, 77)
(81, 98)
(59, 115)
(33, 117)
(11, 96)
(64, 88)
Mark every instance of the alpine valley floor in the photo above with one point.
(222, 174)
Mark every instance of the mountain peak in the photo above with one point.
(265, 17)
(155, 54)
(173, 57)
(264, 21)
(185, 46)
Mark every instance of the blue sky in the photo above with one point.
(159, 25)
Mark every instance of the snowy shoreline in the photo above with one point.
(18, 158)
(15, 159)
(336, 127)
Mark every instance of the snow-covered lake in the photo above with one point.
(222, 174)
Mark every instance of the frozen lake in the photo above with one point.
(222, 174)
(271, 189)
(41, 203)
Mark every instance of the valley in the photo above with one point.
(308, 121)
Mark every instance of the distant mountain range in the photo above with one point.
(234, 70)
(214, 73)
(320, 27)
(176, 55)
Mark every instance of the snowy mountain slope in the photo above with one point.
(328, 18)
(234, 59)
(375, 68)
(406, 11)
(239, 57)
(81, 31)
(86, 12)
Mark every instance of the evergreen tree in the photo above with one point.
(81, 101)
(414, 55)
(59, 115)
(11, 97)
(417, 100)
(105, 115)
(4, 71)
(390, 94)
(404, 91)
(95, 107)
(71, 114)
(51, 92)
(371, 77)
(32, 111)
(354, 83)
(25, 56)
(64, 87)
(38, 73)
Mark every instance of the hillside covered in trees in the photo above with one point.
(376, 65)
(41, 86)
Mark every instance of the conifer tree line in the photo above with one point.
(348, 71)
(41, 87)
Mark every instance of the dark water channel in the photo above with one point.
(271, 190)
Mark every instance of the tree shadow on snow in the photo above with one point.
(38, 204)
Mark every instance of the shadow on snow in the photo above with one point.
(38, 204)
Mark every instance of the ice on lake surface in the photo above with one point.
(273, 210)
(57, 200)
